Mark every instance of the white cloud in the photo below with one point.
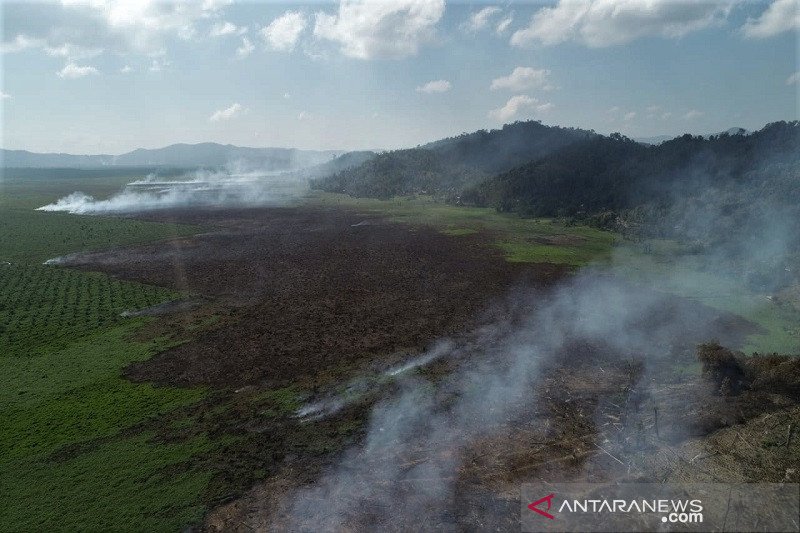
(629, 116)
(522, 78)
(480, 19)
(72, 71)
(438, 86)
(368, 29)
(794, 79)
(653, 109)
(780, 16)
(283, 32)
(503, 25)
(158, 64)
(693, 114)
(613, 110)
(126, 69)
(21, 42)
(4, 95)
(246, 49)
(287, 96)
(302, 115)
(598, 23)
(143, 24)
(66, 50)
(227, 113)
(72, 51)
(666, 115)
(220, 29)
(517, 105)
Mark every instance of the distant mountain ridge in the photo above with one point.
(658, 139)
(178, 155)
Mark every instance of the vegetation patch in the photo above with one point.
(523, 240)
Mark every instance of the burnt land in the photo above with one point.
(312, 296)
(305, 291)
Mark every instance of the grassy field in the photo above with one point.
(680, 275)
(63, 344)
(82, 448)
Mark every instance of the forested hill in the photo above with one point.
(612, 173)
(448, 166)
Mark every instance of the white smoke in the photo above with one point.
(404, 474)
(201, 188)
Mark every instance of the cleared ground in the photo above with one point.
(158, 419)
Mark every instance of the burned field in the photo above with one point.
(547, 375)
(309, 291)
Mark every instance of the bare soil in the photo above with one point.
(306, 291)
(312, 296)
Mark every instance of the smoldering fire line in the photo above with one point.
(376, 482)
(201, 188)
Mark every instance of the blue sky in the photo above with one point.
(108, 77)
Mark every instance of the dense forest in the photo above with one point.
(447, 167)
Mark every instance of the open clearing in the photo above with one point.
(188, 410)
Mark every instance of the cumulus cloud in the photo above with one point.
(72, 71)
(223, 28)
(126, 69)
(521, 79)
(794, 79)
(480, 19)
(438, 86)
(4, 95)
(141, 26)
(517, 105)
(599, 23)
(228, 113)
(629, 116)
(368, 29)
(246, 49)
(693, 114)
(283, 32)
(780, 16)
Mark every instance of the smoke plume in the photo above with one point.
(202, 188)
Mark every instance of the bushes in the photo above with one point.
(722, 367)
(732, 372)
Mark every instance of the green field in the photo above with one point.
(63, 344)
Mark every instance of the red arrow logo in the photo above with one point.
(533, 506)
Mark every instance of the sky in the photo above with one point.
(110, 76)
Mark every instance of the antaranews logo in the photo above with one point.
(535, 506)
(681, 511)
(585, 507)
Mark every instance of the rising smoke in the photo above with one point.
(501, 365)
(231, 187)
(406, 472)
